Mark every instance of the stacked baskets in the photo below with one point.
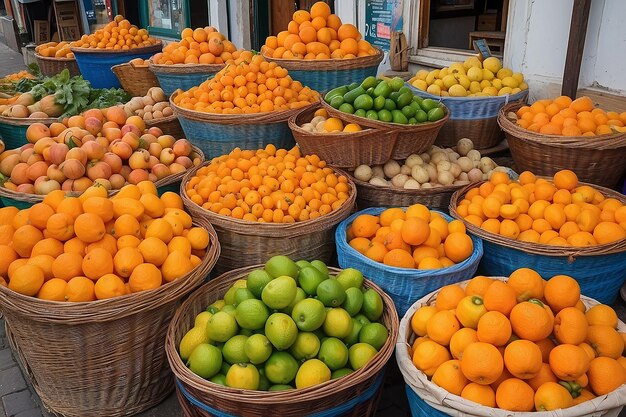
(136, 79)
(52, 66)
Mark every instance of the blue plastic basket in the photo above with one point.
(8, 202)
(13, 131)
(404, 286)
(419, 407)
(171, 81)
(95, 64)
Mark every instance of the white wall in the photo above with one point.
(537, 37)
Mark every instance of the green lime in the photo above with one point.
(300, 295)
(257, 280)
(372, 114)
(353, 302)
(280, 265)
(399, 117)
(305, 347)
(384, 115)
(429, 104)
(302, 263)
(205, 360)
(404, 99)
(417, 99)
(280, 387)
(370, 91)
(396, 83)
(258, 348)
(334, 353)
(406, 89)
(435, 114)
(389, 105)
(412, 121)
(218, 379)
(360, 354)
(243, 376)
(202, 319)
(233, 350)
(339, 91)
(281, 368)
(320, 266)
(374, 334)
(264, 383)
(229, 308)
(372, 305)
(352, 86)
(364, 102)
(229, 297)
(383, 89)
(421, 116)
(346, 108)
(281, 330)
(360, 113)
(338, 323)
(243, 294)
(336, 102)
(245, 332)
(221, 327)
(350, 277)
(379, 103)
(353, 337)
(331, 293)
(312, 372)
(309, 314)
(191, 339)
(408, 111)
(369, 82)
(279, 292)
(212, 309)
(340, 372)
(309, 278)
(360, 318)
(394, 96)
(225, 367)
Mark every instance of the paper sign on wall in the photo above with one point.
(381, 18)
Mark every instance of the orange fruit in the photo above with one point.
(561, 291)
(365, 225)
(552, 396)
(89, 227)
(25, 238)
(479, 285)
(482, 363)
(458, 246)
(568, 362)
(545, 375)
(481, 394)
(608, 232)
(27, 280)
(346, 31)
(320, 9)
(448, 297)
(96, 263)
(441, 326)
(532, 320)
(450, 377)
(605, 375)
(605, 340)
(523, 359)
(513, 394)
(145, 277)
(565, 179)
(570, 326)
(80, 289)
(47, 246)
(109, 286)
(500, 297)
(67, 266)
(429, 355)
(39, 214)
(460, 340)
(415, 231)
(494, 328)
(399, 258)
(420, 318)
(526, 283)
(602, 314)
(53, 290)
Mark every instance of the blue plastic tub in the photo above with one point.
(14, 133)
(95, 64)
(419, 407)
(170, 82)
(404, 286)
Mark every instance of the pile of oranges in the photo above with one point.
(116, 35)
(415, 238)
(55, 50)
(567, 117)
(93, 247)
(249, 84)
(521, 345)
(558, 212)
(197, 46)
(269, 186)
(317, 35)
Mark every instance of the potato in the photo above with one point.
(425, 157)
(309, 127)
(399, 180)
(363, 173)
(465, 163)
(405, 169)
(501, 169)
(167, 112)
(157, 114)
(444, 166)
(147, 116)
(317, 119)
(463, 177)
(475, 175)
(391, 168)
(445, 178)
(148, 108)
(136, 103)
(460, 182)
(411, 184)
(160, 106)
(148, 101)
(427, 185)
(157, 94)
(420, 174)
(378, 171)
(438, 157)
(474, 155)
(464, 145)
(379, 182)
(432, 172)
(413, 160)
(453, 156)
(487, 164)
(455, 170)
(319, 127)
(140, 112)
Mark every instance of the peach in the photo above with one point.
(182, 147)
(43, 144)
(137, 122)
(117, 181)
(137, 175)
(108, 125)
(104, 142)
(175, 168)
(26, 188)
(155, 131)
(67, 185)
(130, 128)
(125, 171)
(93, 150)
(72, 168)
(132, 139)
(81, 184)
(36, 170)
(114, 161)
(76, 121)
(58, 152)
(19, 174)
(55, 173)
(8, 163)
(160, 171)
(37, 131)
(166, 141)
(95, 113)
(152, 177)
(93, 125)
(98, 170)
(167, 156)
(77, 153)
(103, 182)
(116, 114)
(56, 128)
(121, 149)
(184, 161)
(45, 185)
(146, 140)
(34, 158)
(139, 159)
(155, 149)
(153, 161)
(26, 153)
(112, 133)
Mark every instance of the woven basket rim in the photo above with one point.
(112, 308)
(220, 118)
(293, 125)
(329, 64)
(509, 97)
(26, 121)
(51, 58)
(373, 367)
(38, 198)
(184, 68)
(265, 229)
(169, 118)
(540, 248)
(452, 401)
(601, 142)
(150, 48)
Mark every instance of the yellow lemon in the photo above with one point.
(492, 64)
(490, 91)
(433, 89)
(352, 127)
(472, 62)
(421, 75)
(449, 81)
(333, 125)
(420, 84)
(510, 82)
(488, 75)
(519, 77)
(443, 73)
(475, 74)
(464, 81)
(457, 68)
(504, 91)
(457, 91)
(503, 73)
(312, 372)
(475, 87)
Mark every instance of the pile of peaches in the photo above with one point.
(104, 146)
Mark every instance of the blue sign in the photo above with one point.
(381, 18)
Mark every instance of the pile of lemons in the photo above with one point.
(472, 78)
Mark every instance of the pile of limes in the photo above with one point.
(288, 325)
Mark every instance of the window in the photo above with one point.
(166, 17)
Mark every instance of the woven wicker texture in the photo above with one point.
(600, 270)
(169, 125)
(136, 80)
(246, 403)
(106, 357)
(440, 402)
(96, 64)
(183, 76)
(599, 160)
(13, 130)
(326, 74)
(23, 200)
(218, 134)
(245, 243)
(52, 66)
(474, 118)
(409, 138)
(344, 150)
(403, 285)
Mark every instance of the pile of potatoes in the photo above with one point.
(154, 105)
(439, 167)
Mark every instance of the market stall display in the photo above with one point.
(456, 355)
(154, 108)
(548, 224)
(135, 76)
(54, 57)
(323, 382)
(551, 135)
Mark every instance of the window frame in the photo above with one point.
(144, 14)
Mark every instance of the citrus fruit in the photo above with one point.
(312, 372)
(243, 376)
(338, 323)
(350, 277)
(280, 387)
(300, 295)
(205, 360)
(279, 292)
(331, 293)
(234, 349)
(340, 372)
(359, 354)
(309, 314)
(257, 348)
(320, 266)
(202, 319)
(372, 305)
(306, 346)
(334, 353)
(280, 265)
(257, 280)
(221, 326)
(354, 301)
(353, 337)
(309, 278)
(281, 330)
(218, 379)
(190, 340)
(281, 368)
(251, 314)
(243, 294)
(374, 334)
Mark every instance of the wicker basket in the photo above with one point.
(409, 138)
(600, 270)
(403, 285)
(426, 399)
(599, 160)
(103, 357)
(24, 201)
(169, 125)
(325, 74)
(218, 134)
(248, 243)
(474, 118)
(183, 76)
(344, 150)
(136, 80)
(13, 130)
(52, 66)
(352, 395)
(95, 64)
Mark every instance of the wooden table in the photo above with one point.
(491, 38)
